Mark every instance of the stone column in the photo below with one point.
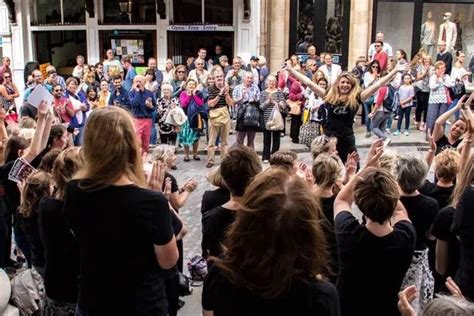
(279, 33)
(360, 30)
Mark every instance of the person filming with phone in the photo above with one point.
(142, 104)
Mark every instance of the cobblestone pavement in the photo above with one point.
(196, 169)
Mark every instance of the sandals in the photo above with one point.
(186, 159)
(196, 157)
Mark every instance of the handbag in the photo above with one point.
(184, 284)
(275, 122)
(219, 116)
(306, 115)
(295, 107)
(176, 116)
(252, 117)
(308, 132)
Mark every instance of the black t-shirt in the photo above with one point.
(340, 119)
(212, 94)
(422, 211)
(215, 224)
(174, 183)
(443, 144)
(327, 205)
(303, 298)
(213, 199)
(371, 268)
(61, 252)
(31, 228)
(116, 228)
(442, 231)
(463, 227)
(441, 194)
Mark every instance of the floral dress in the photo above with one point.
(163, 106)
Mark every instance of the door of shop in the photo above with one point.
(182, 45)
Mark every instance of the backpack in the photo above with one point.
(391, 101)
(197, 267)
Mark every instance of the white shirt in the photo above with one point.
(331, 73)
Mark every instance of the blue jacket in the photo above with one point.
(121, 100)
(137, 103)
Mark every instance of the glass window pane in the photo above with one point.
(219, 12)
(305, 27)
(47, 12)
(395, 20)
(459, 35)
(73, 11)
(334, 26)
(120, 12)
(187, 11)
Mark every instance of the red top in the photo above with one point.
(60, 106)
(382, 58)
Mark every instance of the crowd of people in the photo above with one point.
(93, 227)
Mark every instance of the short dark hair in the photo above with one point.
(126, 59)
(239, 166)
(379, 42)
(377, 207)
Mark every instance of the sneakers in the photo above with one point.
(368, 135)
(265, 161)
(396, 133)
(406, 133)
(387, 130)
(210, 164)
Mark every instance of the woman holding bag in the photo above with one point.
(312, 129)
(439, 99)
(272, 101)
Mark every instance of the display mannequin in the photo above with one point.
(428, 35)
(448, 32)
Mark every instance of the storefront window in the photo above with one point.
(395, 20)
(449, 22)
(129, 12)
(57, 12)
(60, 48)
(334, 26)
(218, 12)
(187, 11)
(305, 27)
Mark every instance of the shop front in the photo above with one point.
(414, 24)
(56, 31)
(322, 23)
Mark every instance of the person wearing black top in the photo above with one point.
(410, 171)
(374, 256)
(445, 56)
(342, 101)
(116, 220)
(238, 168)
(453, 138)
(463, 227)
(446, 170)
(16, 147)
(275, 259)
(327, 173)
(61, 249)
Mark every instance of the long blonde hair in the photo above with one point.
(465, 179)
(110, 149)
(335, 97)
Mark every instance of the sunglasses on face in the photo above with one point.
(375, 67)
(6, 77)
(378, 46)
(58, 90)
(181, 72)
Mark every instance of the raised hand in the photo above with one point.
(43, 109)
(454, 288)
(376, 150)
(405, 298)
(157, 176)
(351, 163)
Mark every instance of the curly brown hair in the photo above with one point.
(276, 238)
(37, 187)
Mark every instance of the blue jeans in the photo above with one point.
(367, 110)
(404, 113)
(154, 132)
(457, 114)
(79, 137)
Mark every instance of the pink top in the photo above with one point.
(185, 98)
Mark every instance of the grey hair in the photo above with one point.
(410, 171)
(388, 159)
(448, 306)
(167, 85)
